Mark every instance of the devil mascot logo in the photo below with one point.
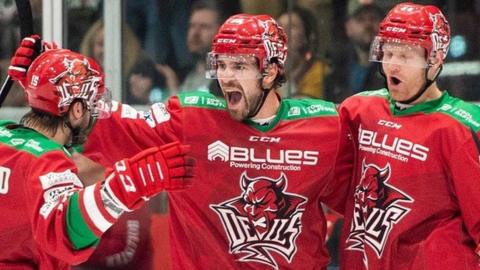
(262, 219)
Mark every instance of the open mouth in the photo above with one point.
(395, 81)
(233, 97)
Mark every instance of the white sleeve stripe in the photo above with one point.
(142, 176)
(159, 170)
(17, 68)
(92, 209)
(152, 179)
(29, 39)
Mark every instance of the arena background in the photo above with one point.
(154, 33)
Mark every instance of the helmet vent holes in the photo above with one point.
(398, 20)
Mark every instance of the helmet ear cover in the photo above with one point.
(58, 77)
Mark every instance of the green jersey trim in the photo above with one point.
(467, 114)
(294, 109)
(79, 148)
(202, 100)
(375, 93)
(28, 140)
(424, 107)
(78, 231)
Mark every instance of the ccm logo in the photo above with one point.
(264, 139)
(226, 40)
(396, 29)
(389, 124)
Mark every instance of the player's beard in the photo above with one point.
(248, 103)
(80, 135)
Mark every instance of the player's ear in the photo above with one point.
(435, 64)
(77, 110)
(270, 74)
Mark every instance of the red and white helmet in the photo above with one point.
(415, 25)
(249, 35)
(58, 77)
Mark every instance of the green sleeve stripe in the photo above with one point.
(79, 148)
(78, 231)
(202, 100)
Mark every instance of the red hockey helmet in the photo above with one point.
(414, 25)
(58, 77)
(249, 35)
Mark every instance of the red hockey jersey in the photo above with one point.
(42, 225)
(415, 197)
(256, 200)
(126, 245)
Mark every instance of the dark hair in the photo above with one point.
(367, 9)
(47, 121)
(209, 5)
(309, 23)
(146, 68)
(281, 77)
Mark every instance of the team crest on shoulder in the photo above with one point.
(263, 219)
(378, 206)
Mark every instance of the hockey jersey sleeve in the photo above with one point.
(340, 185)
(129, 131)
(464, 167)
(57, 227)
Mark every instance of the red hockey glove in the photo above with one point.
(24, 56)
(30, 47)
(141, 177)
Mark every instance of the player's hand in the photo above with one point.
(134, 180)
(30, 47)
(28, 50)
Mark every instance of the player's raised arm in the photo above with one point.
(50, 219)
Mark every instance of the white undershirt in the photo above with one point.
(264, 121)
(402, 106)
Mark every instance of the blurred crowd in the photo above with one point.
(165, 44)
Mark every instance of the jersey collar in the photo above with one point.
(273, 123)
(425, 107)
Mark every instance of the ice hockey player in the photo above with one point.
(49, 219)
(265, 162)
(414, 203)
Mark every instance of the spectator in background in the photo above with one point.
(306, 72)
(205, 19)
(9, 33)
(165, 36)
(145, 84)
(133, 54)
(461, 74)
(351, 71)
(9, 39)
(142, 17)
(81, 15)
(93, 45)
(273, 8)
